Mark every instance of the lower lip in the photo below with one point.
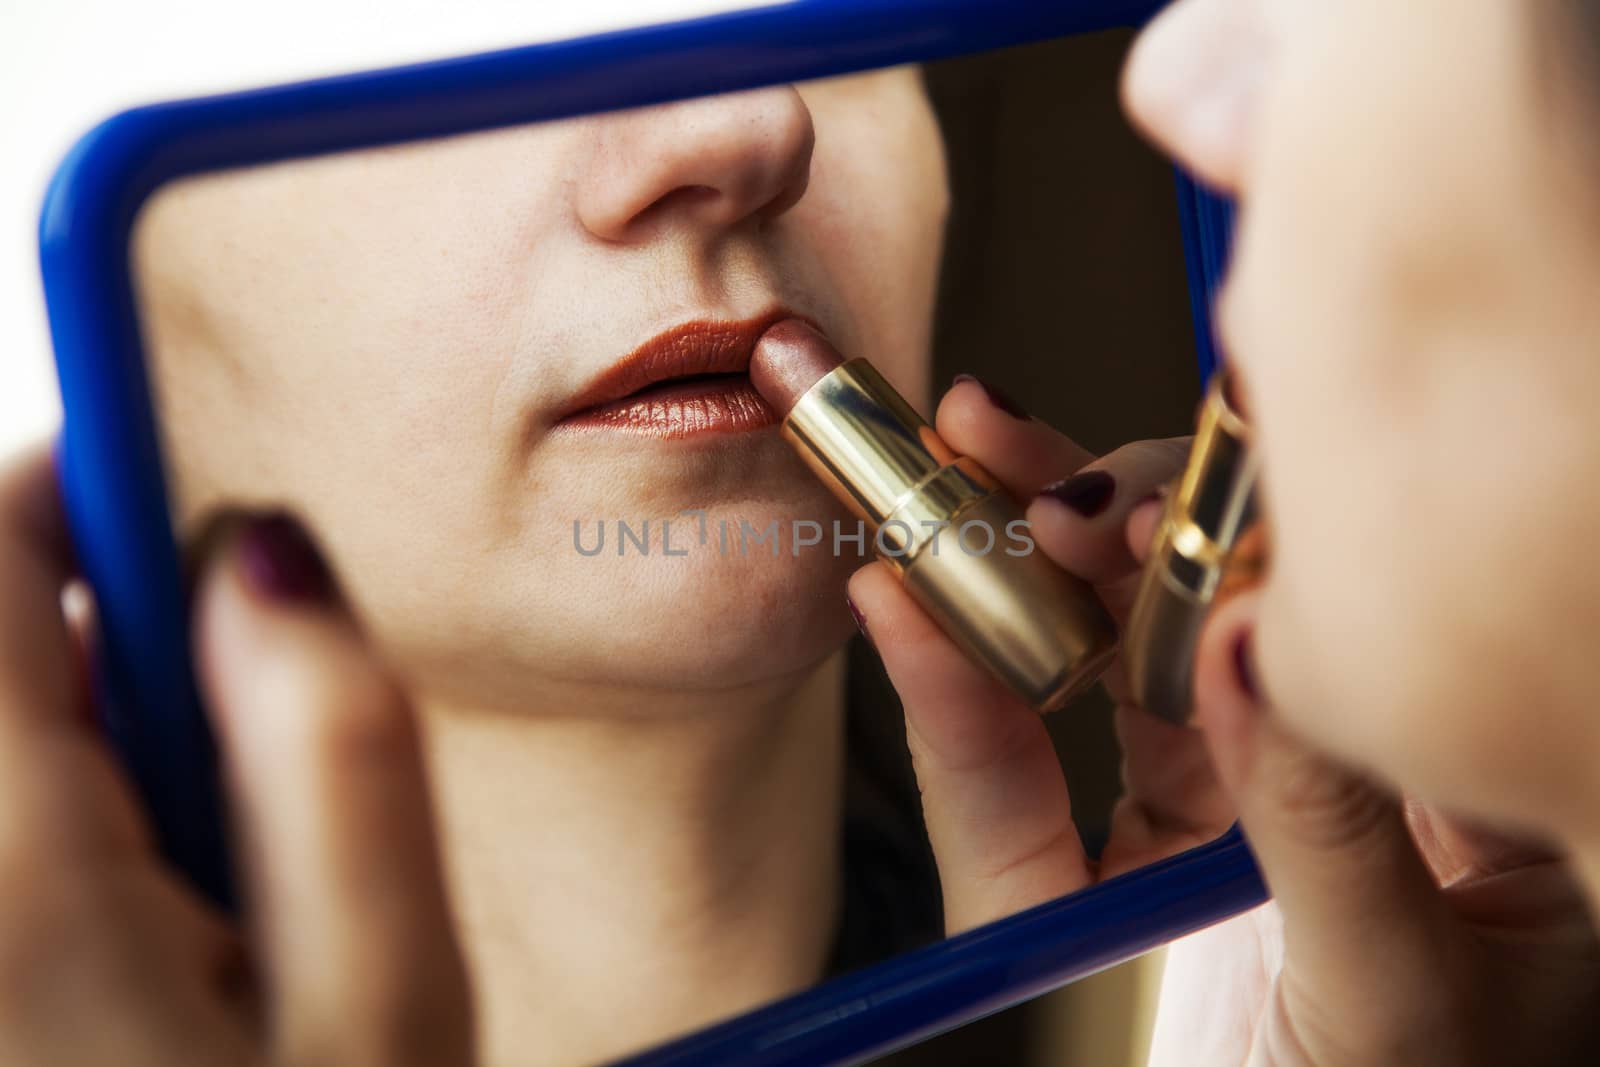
(675, 412)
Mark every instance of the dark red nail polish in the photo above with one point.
(996, 397)
(1089, 493)
(280, 562)
(1244, 667)
(861, 621)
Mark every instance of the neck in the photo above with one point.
(621, 878)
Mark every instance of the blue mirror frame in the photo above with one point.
(112, 478)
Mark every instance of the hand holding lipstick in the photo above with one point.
(995, 799)
(1482, 943)
(937, 519)
(1398, 933)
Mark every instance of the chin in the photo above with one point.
(1384, 696)
(684, 615)
(727, 610)
(743, 621)
(711, 625)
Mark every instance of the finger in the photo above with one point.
(38, 676)
(1083, 503)
(83, 896)
(1458, 849)
(993, 794)
(1082, 521)
(332, 802)
(1144, 519)
(1335, 850)
(62, 794)
(1024, 454)
(1171, 799)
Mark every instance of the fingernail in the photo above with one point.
(996, 397)
(861, 621)
(1244, 667)
(1089, 493)
(279, 561)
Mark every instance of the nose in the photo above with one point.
(710, 164)
(1193, 83)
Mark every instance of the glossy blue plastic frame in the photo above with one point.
(113, 482)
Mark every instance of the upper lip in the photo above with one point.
(687, 350)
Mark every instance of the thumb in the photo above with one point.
(1356, 897)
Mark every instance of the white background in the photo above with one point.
(66, 64)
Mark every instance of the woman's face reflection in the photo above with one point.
(384, 342)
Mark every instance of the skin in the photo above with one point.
(1394, 343)
(92, 921)
(699, 820)
(1481, 941)
(283, 326)
(1447, 295)
(664, 733)
(336, 802)
(1413, 676)
(983, 758)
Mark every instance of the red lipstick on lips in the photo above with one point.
(693, 379)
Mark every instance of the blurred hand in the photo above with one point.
(105, 956)
(995, 799)
(1398, 934)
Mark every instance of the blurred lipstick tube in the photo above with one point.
(1200, 552)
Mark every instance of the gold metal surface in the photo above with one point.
(878, 456)
(1204, 518)
(1035, 627)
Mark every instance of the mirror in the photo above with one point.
(667, 774)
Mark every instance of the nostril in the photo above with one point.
(688, 199)
(709, 164)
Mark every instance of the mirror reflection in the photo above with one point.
(503, 379)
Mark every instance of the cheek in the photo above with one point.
(386, 302)
(875, 218)
(1376, 316)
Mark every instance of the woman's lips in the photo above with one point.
(693, 379)
(683, 408)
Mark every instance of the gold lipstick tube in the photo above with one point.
(1194, 545)
(952, 535)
